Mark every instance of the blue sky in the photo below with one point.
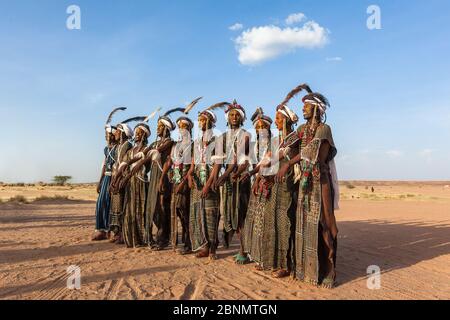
(389, 88)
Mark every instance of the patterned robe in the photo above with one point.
(234, 196)
(180, 203)
(271, 218)
(117, 199)
(312, 252)
(204, 213)
(158, 204)
(133, 229)
(103, 206)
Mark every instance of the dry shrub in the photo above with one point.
(18, 199)
(52, 198)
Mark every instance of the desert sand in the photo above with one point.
(404, 228)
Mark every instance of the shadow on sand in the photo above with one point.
(390, 246)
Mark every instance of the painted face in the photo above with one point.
(117, 134)
(261, 125)
(203, 122)
(308, 111)
(160, 129)
(183, 127)
(109, 137)
(139, 134)
(234, 118)
(279, 121)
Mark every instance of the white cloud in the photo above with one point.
(264, 43)
(295, 18)
(334, 59)
(236, 27)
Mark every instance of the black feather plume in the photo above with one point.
(113, 112)
(192, 105)
(140, 119)
(296, 91)
(219, 105)
(173, 111)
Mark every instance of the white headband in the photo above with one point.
(288, 113)
(167, 123)
(213, 115)
(109, 129)
(185, 121)
(262, 119)
(125, 128)
(318, 103)
(240, 112)
(144, 129)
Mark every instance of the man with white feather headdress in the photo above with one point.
(235, 194)
(204, 208)
(123, 136)
(176, 170)
(158, 203)
(316, 231)
(103, 188)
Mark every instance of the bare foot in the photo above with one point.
(202, 254)
(213, 257)
(280, 274)
(259, 268)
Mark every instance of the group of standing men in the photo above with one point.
(277, 193)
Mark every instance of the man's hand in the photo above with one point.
(124, 181)
(255, 188)
(281, 175)
(235, 177)
(99, 186)
(179, 188)
(245, 176)
(221, 181)
(190, 180)
(161, 188)
(205, 191)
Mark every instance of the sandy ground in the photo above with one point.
(404, 228)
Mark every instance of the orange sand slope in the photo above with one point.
(407, 237)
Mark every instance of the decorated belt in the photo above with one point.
(108, 173)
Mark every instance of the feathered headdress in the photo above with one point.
(317, 99)
(108, 126)
(239, 108)
(186, 111)
(144, 124)
(152, 115)
(134, 119)
(125, 128)
(110, 117)
(165, 119)
(259, 115)
(209, 112)
(288, 113)
(192, 105)
(294, 92)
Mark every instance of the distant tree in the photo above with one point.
(61, 180)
